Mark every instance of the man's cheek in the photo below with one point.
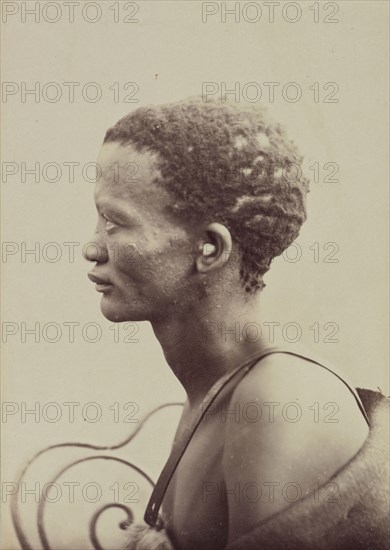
(126, 253)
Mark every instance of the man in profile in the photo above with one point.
(207, 194)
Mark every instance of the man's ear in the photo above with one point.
(215, 249)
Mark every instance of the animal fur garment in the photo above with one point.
(358, 520)
(143, 537)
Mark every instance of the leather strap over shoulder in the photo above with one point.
(154, 504)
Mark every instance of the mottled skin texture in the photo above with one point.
(173, 285)
(134, 253)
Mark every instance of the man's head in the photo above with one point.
(222, 163)
(215, 167)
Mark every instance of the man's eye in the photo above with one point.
(108, 223)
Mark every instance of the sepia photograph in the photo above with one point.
(195, 251)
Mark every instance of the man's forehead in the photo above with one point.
(113, 156)
(128, 177)
(124, 170)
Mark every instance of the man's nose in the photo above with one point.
(96, 250)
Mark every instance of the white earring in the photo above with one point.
(208, 249)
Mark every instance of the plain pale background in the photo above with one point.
(169, 53)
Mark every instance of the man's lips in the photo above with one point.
(101, 284)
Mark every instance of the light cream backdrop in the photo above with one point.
(169, 53)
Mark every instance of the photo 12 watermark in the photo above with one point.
(272, 411)
(270, 12)
(69, 411)
(271, 92)
(69, 332)
(68, 92)
(91, 13)
(70, 492)
(269, 491)
(326, 332)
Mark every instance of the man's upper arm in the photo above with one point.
(294, 426)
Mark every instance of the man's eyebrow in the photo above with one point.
(115, 210)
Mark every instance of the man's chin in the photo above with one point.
(118, 315)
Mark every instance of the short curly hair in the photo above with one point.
(225, 163)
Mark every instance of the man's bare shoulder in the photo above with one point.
(298, 424)
(293, 395)
(287, 379)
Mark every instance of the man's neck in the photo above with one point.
(205, 343)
